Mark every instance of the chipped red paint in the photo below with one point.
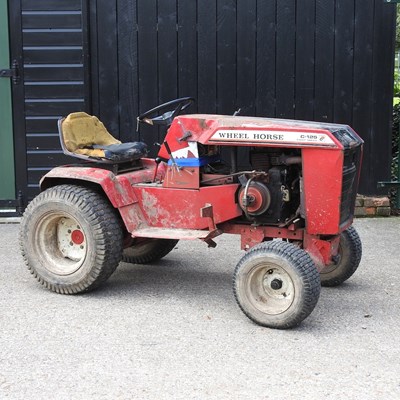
(118, 188)
(202, 127)
(321, 251)
(180, 208)
(253, 235)
(133, 217)
(322, 196)
(183, 177)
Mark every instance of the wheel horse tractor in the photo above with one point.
(292, 207)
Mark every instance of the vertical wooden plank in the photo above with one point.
(207, 56)
(148, 65)
(167, 51)
(246, 56)
(324, 59)
(285, 58)
(344, 57)
(246, 64)
(305, 61)
(167, 22)
(94, 59)
(187, 49)
(362, 84)
(226, 56)
(266, 58)
(382, 93)
(128, 69)
(108, 64)
(85, 25)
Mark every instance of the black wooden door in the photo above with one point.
(322, 60)
(49, 41)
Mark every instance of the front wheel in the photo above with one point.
(349, 257)
(71, 239)
(276, 284)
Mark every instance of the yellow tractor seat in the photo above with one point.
(85, 136)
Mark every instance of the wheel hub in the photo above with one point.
(276, 284)
(77, 237)
(275, 293)
(71, 239)
(61, 243)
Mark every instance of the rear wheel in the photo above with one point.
(148, 250)
(276, 284)
(349, 257)
(71, 239)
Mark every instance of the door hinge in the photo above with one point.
(13, 72)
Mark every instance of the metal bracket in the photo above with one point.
(13, 73)
(6, 73)
(208, 212)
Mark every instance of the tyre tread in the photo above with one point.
(105, 227)
(160, 249)
(355, 248)
(303, 263)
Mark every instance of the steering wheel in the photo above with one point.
(165, 113)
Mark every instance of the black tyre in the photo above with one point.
(349, 257)
(276, 284)
(147, 251)
(71, 239)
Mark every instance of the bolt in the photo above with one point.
(69, 231)
(276, 284)
(71, 244)
(78, 227)
(81, 247)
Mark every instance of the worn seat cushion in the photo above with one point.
(123, 151)
(85, 134)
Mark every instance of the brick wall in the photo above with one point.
(372, 206)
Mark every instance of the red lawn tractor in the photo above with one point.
(292, 205)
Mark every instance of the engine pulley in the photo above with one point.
(255, 198)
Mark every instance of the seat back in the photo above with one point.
(80, 131)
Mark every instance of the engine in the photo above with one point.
(272, 194)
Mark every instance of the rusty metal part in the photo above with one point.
(251, 173)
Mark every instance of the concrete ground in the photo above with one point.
(173, 331)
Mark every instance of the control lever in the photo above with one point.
(171, 156)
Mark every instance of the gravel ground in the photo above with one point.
(172, 330)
